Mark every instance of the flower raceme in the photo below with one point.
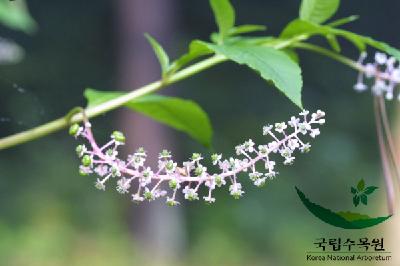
(386, 74)
(189, 177)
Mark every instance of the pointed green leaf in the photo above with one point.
(356, 200)
(298, 27)
(333, 42)
(272, 65)
(15, 15)
(353, 190)
(246, 29)
(343, 21)
(183, 115)
(318, 11)
(196, 49)
(364, 199)
(370, 190)
(160, 53)
(361, 185)
(224, 16)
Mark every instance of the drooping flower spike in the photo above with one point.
(385, 72)
(147, 184)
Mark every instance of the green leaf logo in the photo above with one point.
(361, 193)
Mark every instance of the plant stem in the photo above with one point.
(63, 122)
(390, 194)
(60, 123)
(320, 50)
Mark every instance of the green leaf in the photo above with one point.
(298, 27)
(364, 199)
(333, 42)
(343, 21)
(272, 65)
(246, 29)
(318, 11)
(292, 54)
(356, 200)
(162, 56)
(183, 115)
(361, 185)
(370, 190)
(15, 15)
(197, 49)
(224, 16)
(353, 190)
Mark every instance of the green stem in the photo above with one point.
(63, 122)
(60, 123)
(320, 50)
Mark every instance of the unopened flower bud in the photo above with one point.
(74, 129)
(86, 160)
(118, 136)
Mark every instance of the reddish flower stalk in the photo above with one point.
(192, 174)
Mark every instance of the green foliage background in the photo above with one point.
(49, 215)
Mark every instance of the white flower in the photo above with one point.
(288, 160)
(115, 170)
(209, 199)
(84, 170)
(370, 70)
(294, 121)
(379, 87)
(249, 145)
(380, 58)
(137, 198)
(170, 167)
(219, 181)
(271, 174)
(210, 183)
(304, 113)
(314, 132)
(136, 161)
(293, 144)
(101, 169)
(239, 149)
(158, 193)
(260, 182)
(273, 146)
(190, 193)
(149, 194)
(286, 152)
(164, 154)
(263, 150)
(123, 185)
(280, 127)
(360, 87)
(216, 158)
(255, 175)
(172, 202)
(270, 165)
(100, 185)
(267, 129)
(146, 177)
(305, 148)
(224, 165)
(236, 190)
(303, 127)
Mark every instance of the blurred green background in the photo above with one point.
(50, 215)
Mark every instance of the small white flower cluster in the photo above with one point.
(192, 174)
(386, 74)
